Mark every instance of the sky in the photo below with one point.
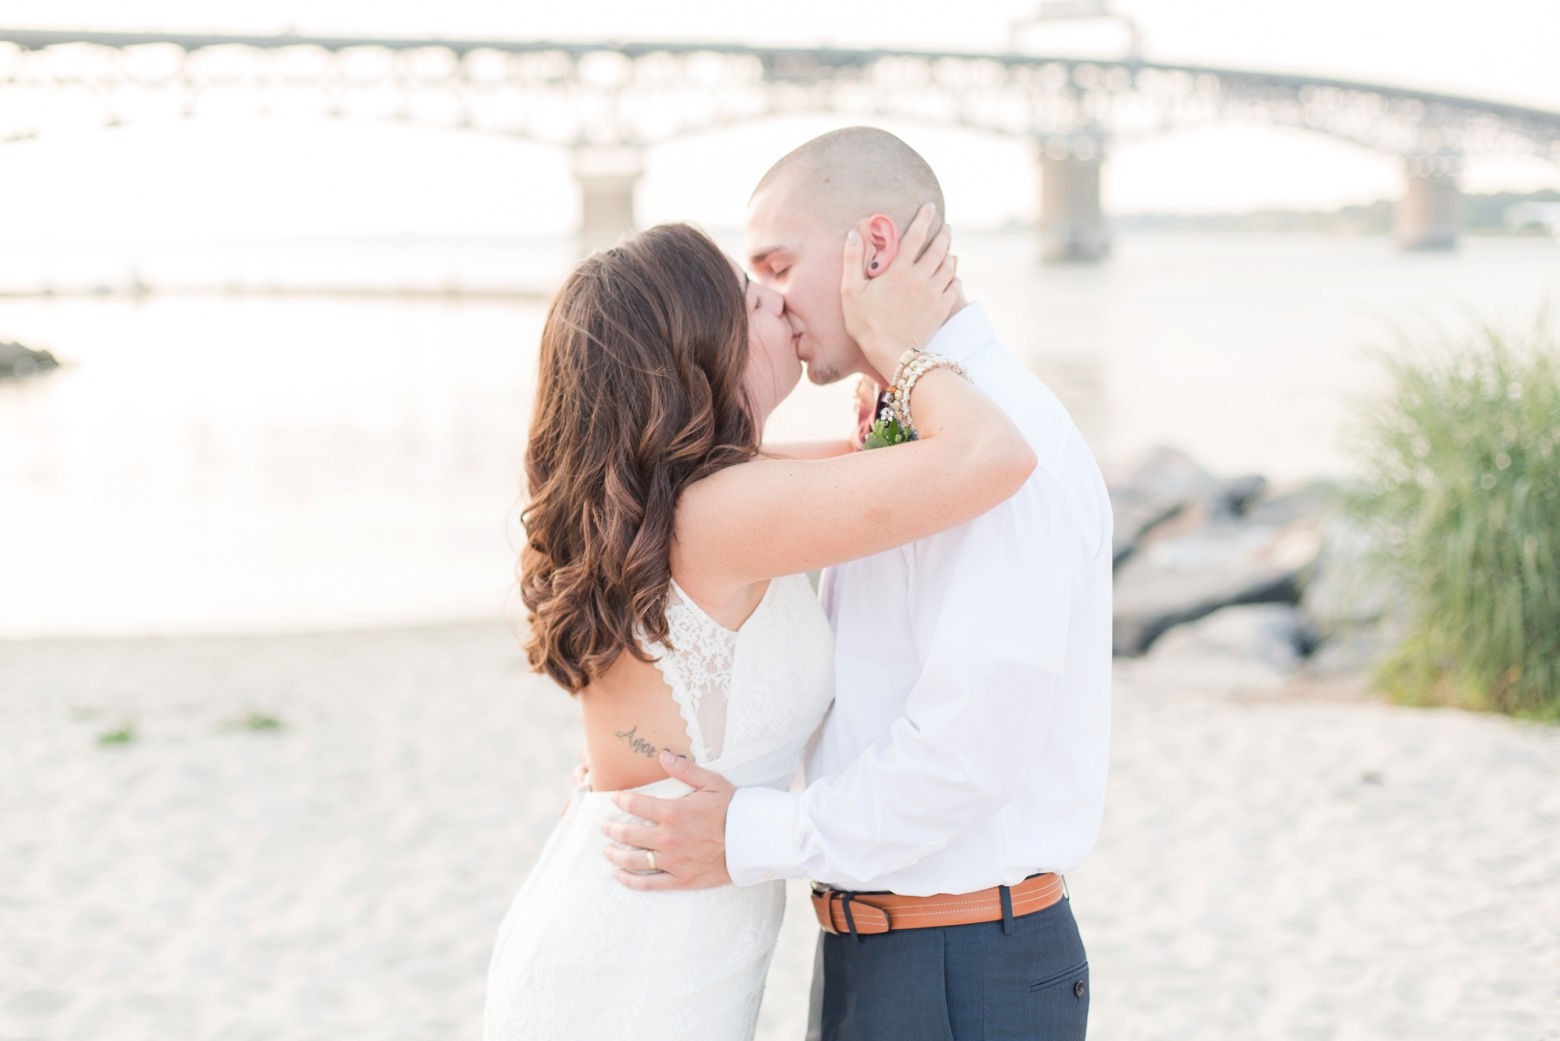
(250, 177)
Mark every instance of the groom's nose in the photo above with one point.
(774, 302)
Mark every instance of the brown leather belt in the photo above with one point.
(867, 914)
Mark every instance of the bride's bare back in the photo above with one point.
(631, 716)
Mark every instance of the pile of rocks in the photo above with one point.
(1233, 573)
(18, 362)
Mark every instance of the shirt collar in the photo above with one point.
(963, 334)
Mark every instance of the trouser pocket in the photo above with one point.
(1058, 1006)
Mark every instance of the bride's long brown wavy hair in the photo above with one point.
(639, 393)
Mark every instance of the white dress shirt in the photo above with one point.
(967, 746)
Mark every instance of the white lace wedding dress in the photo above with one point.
(579, 957)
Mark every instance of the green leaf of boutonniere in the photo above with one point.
(885, 432)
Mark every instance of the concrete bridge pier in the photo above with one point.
(1072, 223)
(1431, 213)
(607, 177)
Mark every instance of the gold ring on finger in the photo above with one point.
(650, 856)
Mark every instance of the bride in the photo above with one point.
(664, 572)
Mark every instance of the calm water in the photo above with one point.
(211, 464)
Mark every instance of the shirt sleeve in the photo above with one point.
(989, 612)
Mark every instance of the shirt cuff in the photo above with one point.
(761, 826)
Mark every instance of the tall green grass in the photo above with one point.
(1461, 454)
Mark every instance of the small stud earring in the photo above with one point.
(874, 265)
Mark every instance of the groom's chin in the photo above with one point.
(821, 376)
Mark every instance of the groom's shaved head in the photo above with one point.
(796, 225)
(853, 173)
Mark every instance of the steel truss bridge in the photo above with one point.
(609, 102)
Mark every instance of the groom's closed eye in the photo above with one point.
(774, 261)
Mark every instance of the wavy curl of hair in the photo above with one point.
(639, 393)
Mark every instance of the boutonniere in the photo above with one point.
(886, 431)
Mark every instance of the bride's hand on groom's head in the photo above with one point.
(899, 307)
(684, 846)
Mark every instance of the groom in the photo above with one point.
(962, 768)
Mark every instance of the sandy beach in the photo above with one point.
(1275, 863)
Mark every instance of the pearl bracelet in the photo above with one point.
(914, 364)
(905, 359)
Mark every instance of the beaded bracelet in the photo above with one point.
(905, 359)
(914, 364)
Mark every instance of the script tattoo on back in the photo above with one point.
(637, 743)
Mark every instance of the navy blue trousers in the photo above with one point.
(963, 983)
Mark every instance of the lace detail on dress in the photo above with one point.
(698, 667)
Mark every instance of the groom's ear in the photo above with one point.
(881, 240)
